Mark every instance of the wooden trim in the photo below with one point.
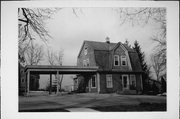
(141, 81)
(98, 82)
(28, 80)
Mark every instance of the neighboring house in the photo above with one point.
(119, 68)
(22, 79)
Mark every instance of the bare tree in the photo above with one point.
(32, 21)
(158, 65)
(59, 59)
(50, 57)
(56, 58)
(31, 24)
(34, 54)
(142, 16)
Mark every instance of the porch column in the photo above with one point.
(57, 85)
(28, 78)
(98, 82)
(89, 85)
(50, 85)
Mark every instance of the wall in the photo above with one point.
(117, 84)
(90, 56)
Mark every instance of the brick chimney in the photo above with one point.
(107, 40)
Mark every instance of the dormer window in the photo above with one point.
(116, 60)
(123, 61)
(85, 51)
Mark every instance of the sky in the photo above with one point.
(69, 30)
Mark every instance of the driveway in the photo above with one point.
(84, 100)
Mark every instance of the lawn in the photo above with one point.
(100, 102)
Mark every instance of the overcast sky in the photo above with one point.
(69, 30)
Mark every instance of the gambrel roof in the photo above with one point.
(104, 48)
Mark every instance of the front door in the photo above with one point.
(125, 82)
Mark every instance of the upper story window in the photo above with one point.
(123, 61)
(116, 60)
(85, 51)
(86, 62)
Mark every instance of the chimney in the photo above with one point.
(107, 40)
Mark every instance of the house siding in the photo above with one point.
(138, 83)
(90, 56)
(102, 59)
(117, 84)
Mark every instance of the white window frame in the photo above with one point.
(123, 58)
(85, 50)
(109, 81)
(127, 81)
(115, 60)
(92, 82)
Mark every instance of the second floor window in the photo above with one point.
(116, 60)
(85, 51)
(86, 62)
(123, 61)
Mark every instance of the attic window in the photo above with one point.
(123, 61)
(116, 60)
(85, 51)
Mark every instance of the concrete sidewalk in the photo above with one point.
(81, 110)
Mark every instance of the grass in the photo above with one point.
(45, 110)
(140, 107)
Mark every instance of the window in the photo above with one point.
(109, 83)
(87, 62)
(76, 81)
(132, 82)
(85, 51)
(116, 60)
(84, 63)
(93, 82)
(123, 61)
(22, 80)
(125, 81)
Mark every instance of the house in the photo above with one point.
(119, 68)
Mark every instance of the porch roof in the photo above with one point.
(52, 69)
